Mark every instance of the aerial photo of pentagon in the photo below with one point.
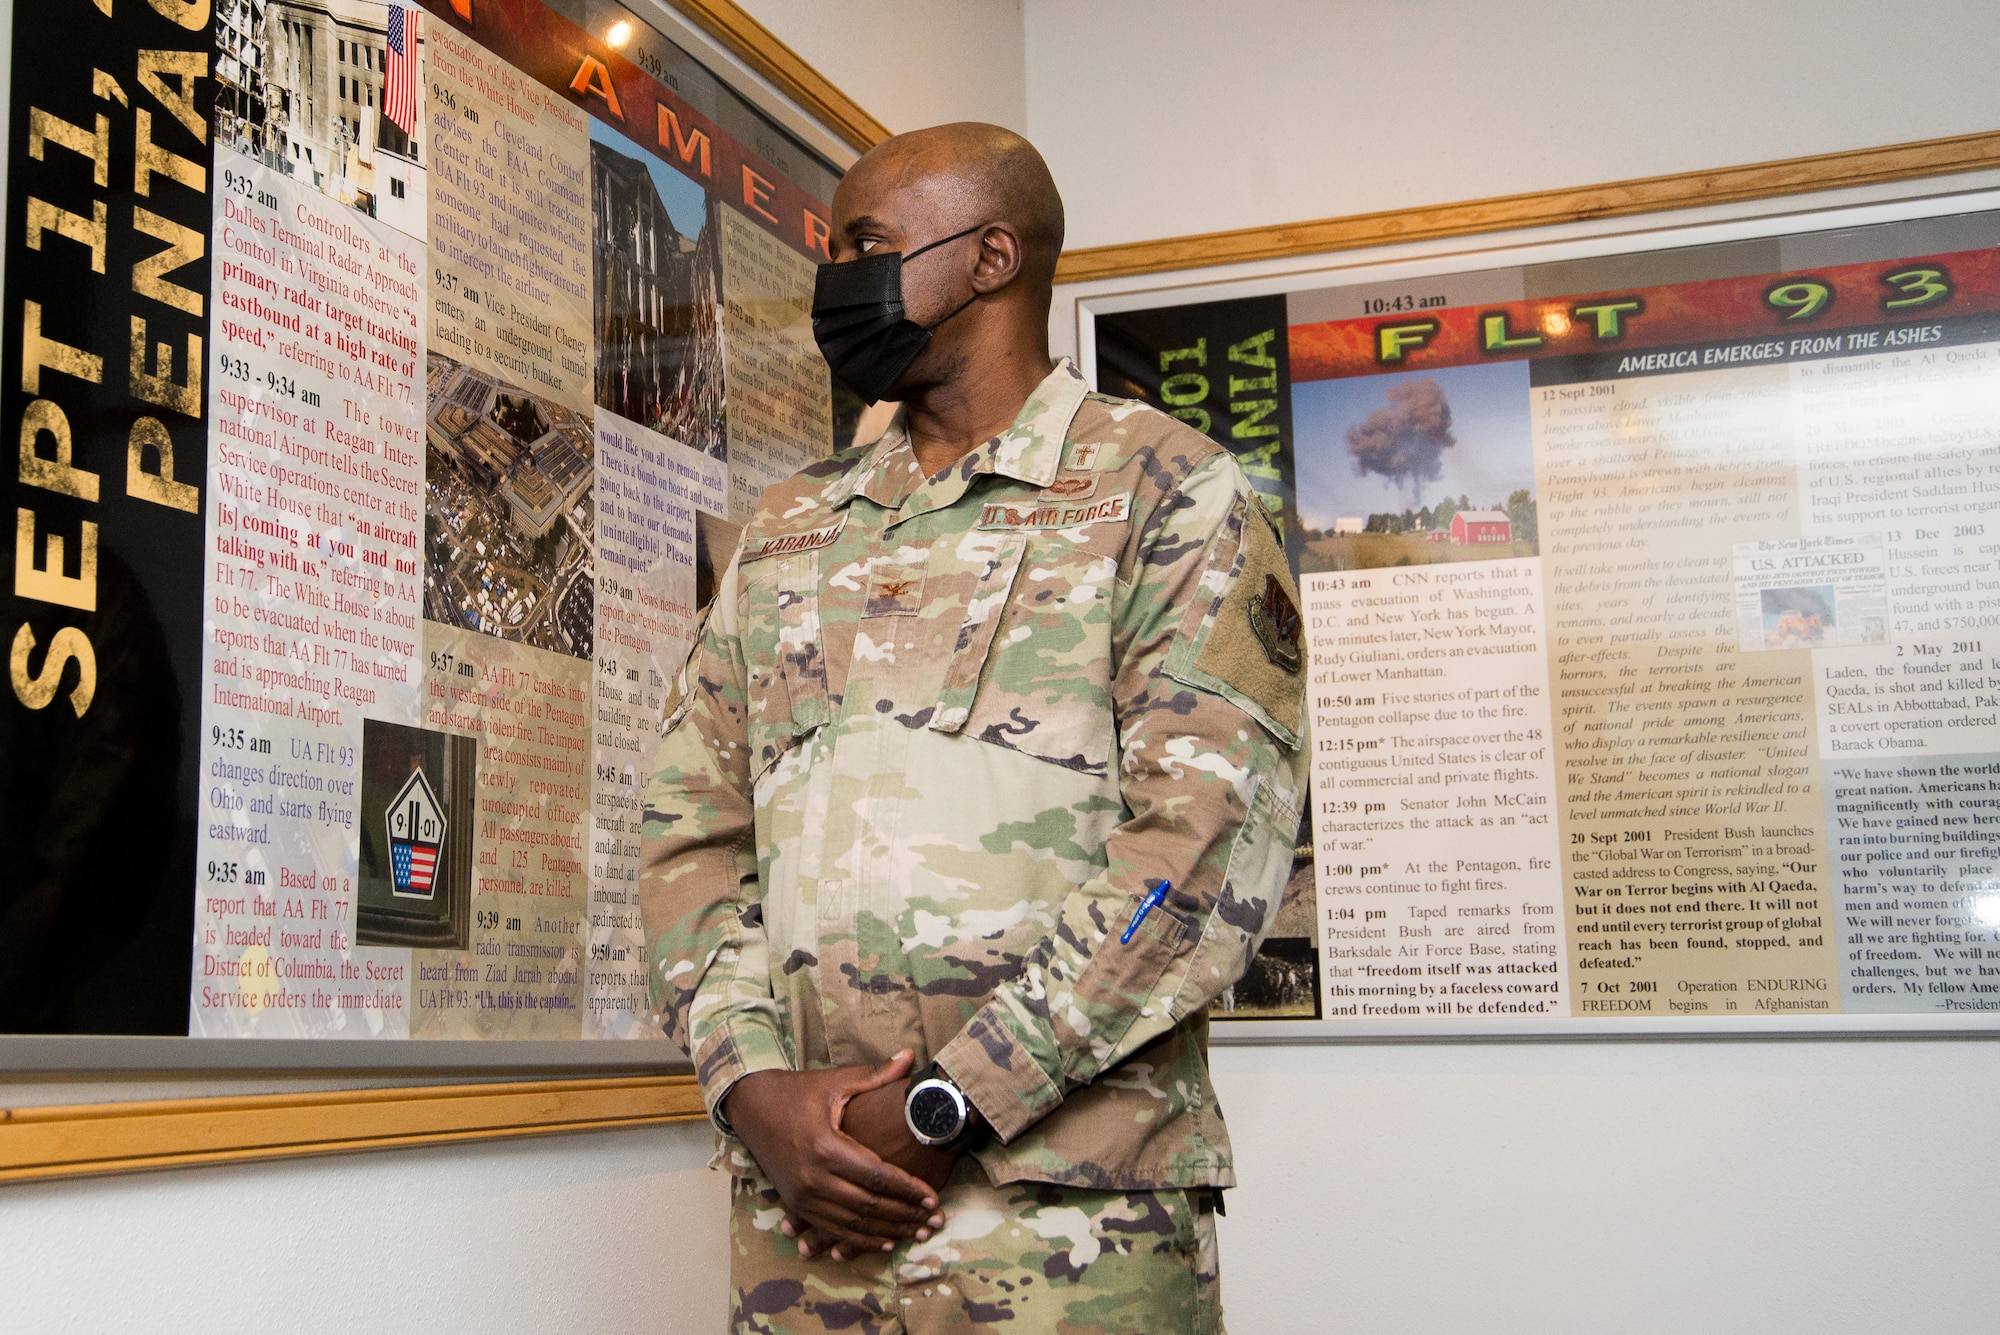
(509, 534)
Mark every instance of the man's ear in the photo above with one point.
(1000, 257)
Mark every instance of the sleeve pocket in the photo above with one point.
(1120, 982)
(1260, 861)
(683, 682)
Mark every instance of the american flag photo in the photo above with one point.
(416, 837)
(399, 92)
(415, 883)
(415, 866)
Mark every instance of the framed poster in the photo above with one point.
(384, 373)
(1652, 588)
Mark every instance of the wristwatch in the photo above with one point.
(937, 1111)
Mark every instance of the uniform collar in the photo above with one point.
(1029, 451)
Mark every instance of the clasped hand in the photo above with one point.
(835, 1143)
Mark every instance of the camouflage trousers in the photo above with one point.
(1028, 1258)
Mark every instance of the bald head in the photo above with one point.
(965, 175)
(975, 216)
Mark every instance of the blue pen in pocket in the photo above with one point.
(1154, 898)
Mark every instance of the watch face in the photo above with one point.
(935, 1113)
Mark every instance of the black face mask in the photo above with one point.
(859, 324)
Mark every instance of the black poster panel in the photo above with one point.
(1222, 368)
(101, 381)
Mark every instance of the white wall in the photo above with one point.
(912, 63)
(1767, 1187)
(613, 1232)
(1164, 117)
(1764, 1187)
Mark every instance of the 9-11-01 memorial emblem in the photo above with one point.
(416, 837)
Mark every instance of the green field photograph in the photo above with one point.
(1415, 468)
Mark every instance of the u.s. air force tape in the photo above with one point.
(1037, 514)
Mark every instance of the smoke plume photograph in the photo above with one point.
(1415, 468)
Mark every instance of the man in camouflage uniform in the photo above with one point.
(965, 698)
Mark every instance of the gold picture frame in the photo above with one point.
(41, 1143)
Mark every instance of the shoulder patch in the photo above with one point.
(1274, 619)
(1251, 647)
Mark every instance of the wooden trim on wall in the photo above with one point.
(1651, 194)
(89, 1139)
(759, 48)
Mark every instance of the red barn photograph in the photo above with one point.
(1470, 528)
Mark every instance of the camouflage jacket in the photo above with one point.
(939, 738)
